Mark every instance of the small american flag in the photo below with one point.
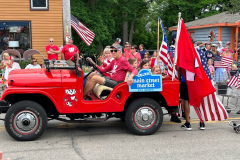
(86, 34)
(224, 63)
(164, 55)
(234, 80)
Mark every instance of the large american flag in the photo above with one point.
(211, 108)
(164, 55)
(86, 34)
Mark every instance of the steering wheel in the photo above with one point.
(94, 66)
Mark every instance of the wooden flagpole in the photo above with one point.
(158, 58)
(174, 59)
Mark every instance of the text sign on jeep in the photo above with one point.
(145, 81)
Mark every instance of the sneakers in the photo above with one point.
(174, 118)
(202, 126)
(186, 126)
(238, 112)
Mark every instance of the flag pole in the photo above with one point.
(175, 55)
(158, 57)
(158, 37)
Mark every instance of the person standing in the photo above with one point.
(6, 66)
(208, 52)
(69, 50)
(118, 41)
(127, 50)
(142, 50)
(52, 50)
(134, 54)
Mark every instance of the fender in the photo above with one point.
(22, 90)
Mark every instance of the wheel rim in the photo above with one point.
(145, 117)
(26, 122)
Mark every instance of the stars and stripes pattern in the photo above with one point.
(224, 63)
(204, 62)
(211, 108)
(86, 34)
(164, 54)
(234, 80)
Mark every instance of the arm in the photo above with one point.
(106, 69)
(133, 71)
(179, 73)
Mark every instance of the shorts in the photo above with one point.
(109, 82)
(184, 91)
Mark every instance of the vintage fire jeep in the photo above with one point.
(35, 96)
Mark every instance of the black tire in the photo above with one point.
(25, 120)
(144, 116)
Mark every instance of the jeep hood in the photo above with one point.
(35, 78)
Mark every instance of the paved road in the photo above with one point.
(112, 140)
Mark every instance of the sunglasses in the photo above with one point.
(113, 51)
(34, 61)
(133, 48)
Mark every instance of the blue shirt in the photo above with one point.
(142, 53)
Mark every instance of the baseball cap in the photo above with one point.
(228, 42)
(117, 46)
(118, 40)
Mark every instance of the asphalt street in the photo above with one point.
(111, 140)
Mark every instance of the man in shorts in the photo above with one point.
(119, 67)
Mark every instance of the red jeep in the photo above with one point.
(35, 96)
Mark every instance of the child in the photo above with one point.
(154, 57)
(133, 62)
(147, 56)
(210, 66)
(145, 64)
(156, 70)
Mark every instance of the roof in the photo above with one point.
(221, 19)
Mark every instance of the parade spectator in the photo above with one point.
(120, 67)
(142, 50)
(208, 52)
(153, 58)
(69, 50)
(134, 54)
(15, 65)
(33, 64)
(133, 62)
(224, 49)
(227, 54)
(147, 57)
(210, 66)
(184, 100)
(118, 41)
(216, 54)
(219, 47)
(52, 50)
(127, 50)
(156, 70)
(6, 66)
(145, 64)
(172, 47)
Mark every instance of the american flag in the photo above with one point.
(86, 34)
(211, 108)
(164, 55)
(234, 80)
(224, 63)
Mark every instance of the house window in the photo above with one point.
(15, 35)
(39, 4)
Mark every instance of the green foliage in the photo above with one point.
(23, 64)
(105, 18)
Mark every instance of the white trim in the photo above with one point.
(39, 8)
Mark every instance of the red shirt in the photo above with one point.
(69, 51)
(54, 48)
(126, 53)
(119, 68)
(153, 61)
(137, 56)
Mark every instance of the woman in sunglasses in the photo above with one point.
(33, 65)
(134, 54)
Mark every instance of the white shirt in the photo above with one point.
(30, 66)
(15, 65)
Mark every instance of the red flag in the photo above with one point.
(186, 58)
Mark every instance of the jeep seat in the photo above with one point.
(102, 91)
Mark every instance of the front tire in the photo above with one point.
(25, 120)
(144, 116)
